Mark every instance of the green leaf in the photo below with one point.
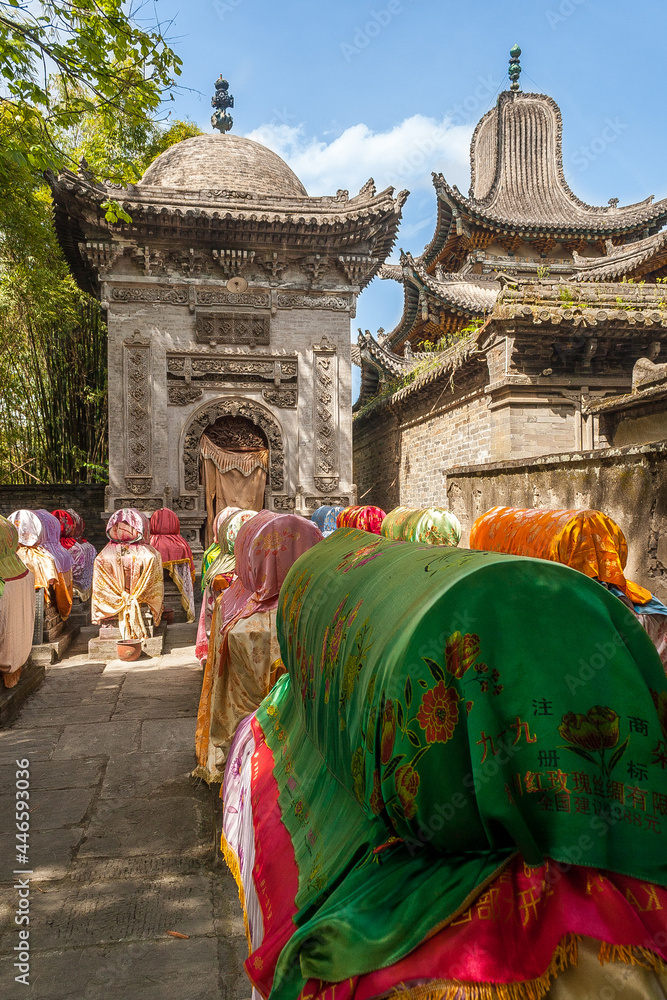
(414, 739)
(392, 765)
(616, 756)
(581, 753)
(408, 692)
(435, 668)
(423, 683)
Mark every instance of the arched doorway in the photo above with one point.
(233, 467)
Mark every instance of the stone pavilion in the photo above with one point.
(228, 299)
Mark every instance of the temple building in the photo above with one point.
(525, 312)
(228, 299)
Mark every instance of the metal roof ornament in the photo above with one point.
(220, 118)
(514, 71)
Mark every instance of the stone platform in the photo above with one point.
(51, 652)
(103, 647)
(11, 699)
(80, 614)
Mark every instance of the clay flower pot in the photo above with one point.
(128, 649)
(168, 616)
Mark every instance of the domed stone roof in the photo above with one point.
(223, 162)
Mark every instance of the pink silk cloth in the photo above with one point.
(82, 552)
(128, 525)
(266, 548)
(40, 549)
(220, 573)
(364, 518)
(517, 935)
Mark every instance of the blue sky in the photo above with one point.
(346, 90)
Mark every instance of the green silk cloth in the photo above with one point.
(431, 525)
(443, 710)
(209, 557)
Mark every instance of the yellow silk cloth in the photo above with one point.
(58, 587)
(243, 678)
(111, 599)
(586, 540)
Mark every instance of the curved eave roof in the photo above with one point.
(582, 219)
(367, 218)
(640, 257)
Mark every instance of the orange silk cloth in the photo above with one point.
(113, 598)
(586, 540)
(58, 587)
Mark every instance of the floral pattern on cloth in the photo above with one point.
(176, 555)
(266, 548)
(82, 552)
(326, 519)
(129, 526)
(430, 525)
(364, 518)
(238, 832)
(586, 540)
(125, 577)
(425, 736)
(220, 573)
(40, 550)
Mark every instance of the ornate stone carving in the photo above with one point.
(304, 300)
(188, 375)
(232, 262)
(176, 296)
(284, 503)
(337, 501)
(101, 256)
(233, 407)
(139, 486)
(357, 267)
(280, 397)
(314, 264)
(183, 395)
(326, 450)
(140, 503)
(138, 459)
(326, 484)
(150, 261)
(191, 263)
(249, 329)
(274, 264)
(220, 297)
(184, 503)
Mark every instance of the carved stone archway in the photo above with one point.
(234, 407)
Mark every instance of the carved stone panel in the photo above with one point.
(249, 329)
(151, 293)
(188, 375)
(138, 438)
(325, 417)
(337, 501)
(233, 407)
(284, 503)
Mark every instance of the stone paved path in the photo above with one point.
(123, 842)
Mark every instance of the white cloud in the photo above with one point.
(403, 157)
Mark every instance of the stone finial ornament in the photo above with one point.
(514, 71)
(222, 100)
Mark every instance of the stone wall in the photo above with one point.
(629, 484)
(87, 500)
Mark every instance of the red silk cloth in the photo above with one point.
(509, 934)
(364, 518)
(167, 539)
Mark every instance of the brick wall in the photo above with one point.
(376, 461)
(629, 484)
(87, 500)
